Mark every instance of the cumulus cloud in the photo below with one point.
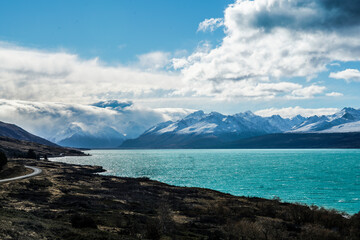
(269, 49)
(304, 14)
(29, 74)
(56, 121)
(348, 75)
(210, 24)
(273, 42)
(293, 111)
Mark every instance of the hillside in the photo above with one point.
(19, 148)
(13, 131)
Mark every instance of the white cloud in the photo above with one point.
(334, 94)
(268, 41)
(29, 74)
(307, 92)
(54, 121)
(210, 24)
(171, 114)
(293, 111)
(348, 75)
(154, 60)
(267, 44)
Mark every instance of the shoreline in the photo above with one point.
(72, 201)
(103, 173)
(347, 203)
(342, 212)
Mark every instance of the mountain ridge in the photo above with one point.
(200, 130)
(107, 137)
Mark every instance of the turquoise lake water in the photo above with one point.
(329, 178)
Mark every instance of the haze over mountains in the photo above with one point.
(113, 124)
(103, 124)
(200, 130)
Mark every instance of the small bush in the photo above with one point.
(3, 159)
(31, 154)
(153, 230)
(81, 221)
(37, 184)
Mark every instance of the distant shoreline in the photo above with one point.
(269, 141)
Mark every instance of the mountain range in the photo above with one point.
(200, 130)
(75, 136)
(107, 124)
(212, 130)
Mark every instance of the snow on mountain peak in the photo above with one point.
(338, 122)
(215, 123)
(351, 113)
(196, 115)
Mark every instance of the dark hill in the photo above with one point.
(19, 148)
(279, 140)
(300, 140)
(13, 131)
(184, 141)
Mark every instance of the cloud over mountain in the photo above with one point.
(57, 121)
(293, 111)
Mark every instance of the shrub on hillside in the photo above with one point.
(31, 154)
(3, 159)
(82, 221)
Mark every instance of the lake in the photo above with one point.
(325, 177)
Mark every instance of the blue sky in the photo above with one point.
(115, 31)
(251, 55)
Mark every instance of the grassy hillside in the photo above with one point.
(19, 148)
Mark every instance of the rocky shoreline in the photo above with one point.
(73, 202)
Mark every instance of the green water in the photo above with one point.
(328, 177)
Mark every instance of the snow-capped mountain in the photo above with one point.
(215, 123)
(199, 129)
(285, 124)
(105, 137)
(202, 130)
(346, 120)
(79, 135)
